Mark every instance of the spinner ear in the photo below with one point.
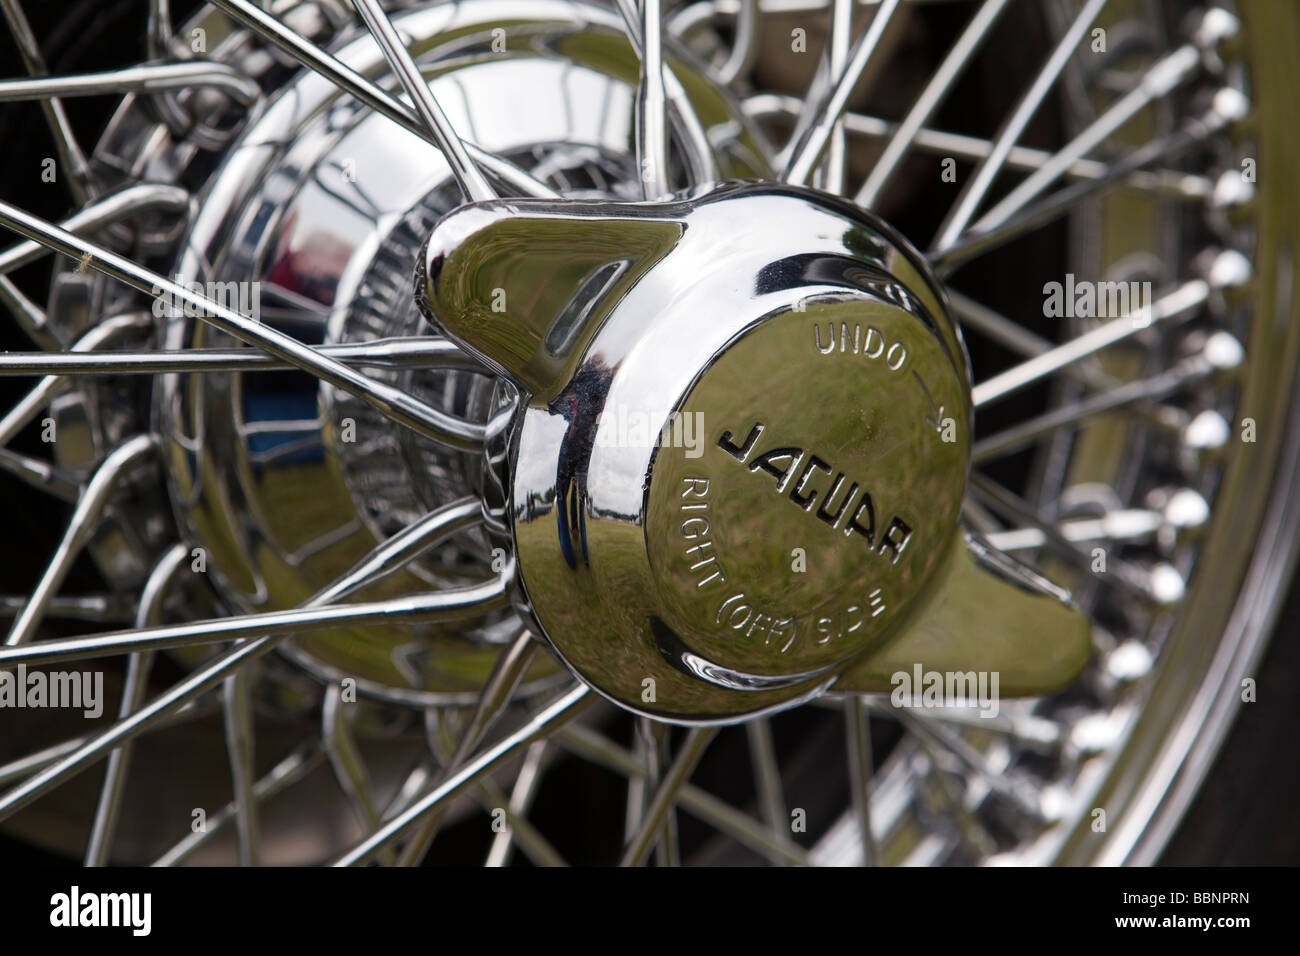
(986, 612)
(525, 285)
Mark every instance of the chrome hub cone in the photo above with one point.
(329, 255)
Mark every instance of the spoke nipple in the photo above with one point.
(1053, 805)
(1128, 662)
(1223, 351)
(1181, 507)
(1166, 584)
(1207, 431)
(1231, 189)
(1230, 105)
(1228, 269)
(1095, 733)
(1215, 28)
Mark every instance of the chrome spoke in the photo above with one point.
(136, 79)
(651, 105)
(104, 825)
(744, 50)
(1222, 352)
(694, 15)
(967, 825)
(536, 847)
(1165, 182)
(858, 741)
(237, 714)
(414, 784)
(767, 775)
(159, 27)
(46, 390)
(807, 152)
(692, 749)
(345, 759)
(65, 140)
(667, 850)
(691, 135)
(1186, 298)
(996, 779)
(452, 604)
(741, 827)
(384, 560)
(414, 609)
(103, 212)
(1015, 508)
(403, 548)
(498, 690)
(25, 766)
(1133, 524)
(638, 789)
(390, 401)
(1157, 82)
(415, 352)
(979, 240)
(774, 845)
(472, 183)
(81, 525)
(561, 710)
(1038, 733)
(833, 171)
(100, 608)
(975, 190)
(999, 328)
(1020, 340)
(976, 242)
(29, 316)
(819, 89)
(930, 99)
(527, 782)
(294, 767)
(54, 481)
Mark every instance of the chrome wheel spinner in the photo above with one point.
(807, 536)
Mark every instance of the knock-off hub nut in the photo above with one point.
(744, 441)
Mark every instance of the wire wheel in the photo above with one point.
(344, 572)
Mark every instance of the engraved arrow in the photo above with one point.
(937, 410)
